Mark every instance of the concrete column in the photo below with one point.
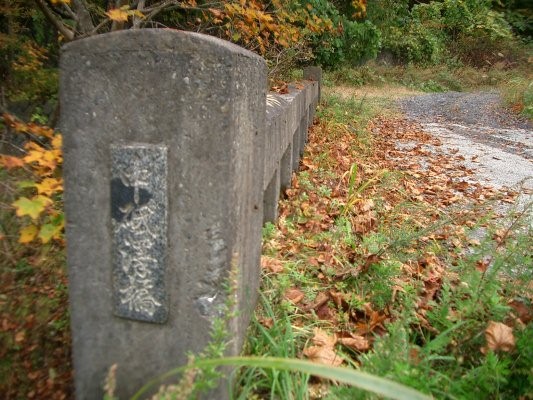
(285, 168)
(164, 149)
(270, 199)
(312, 73)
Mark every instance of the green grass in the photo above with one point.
(440, 355)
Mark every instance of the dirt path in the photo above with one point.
(496, 144)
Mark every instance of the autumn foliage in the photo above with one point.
(40, 205)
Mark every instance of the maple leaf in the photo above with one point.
(499, 337)
(57, 142)
(323, 350)
(32, 207)
(27, 234)
(11, 162)
(118, 15)
(49, 231)
(49, 186)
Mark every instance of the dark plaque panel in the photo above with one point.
(139, 219)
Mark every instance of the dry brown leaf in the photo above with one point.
(267, 322)
(273, 265)
(322, 338)
(499, 337)
(321, 299)
(358, 343)
(338, 298)
(294, 295)
(20, 336)
(524, 312)
(323, 355)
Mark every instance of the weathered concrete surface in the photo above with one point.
(204, 99)
(288, 117)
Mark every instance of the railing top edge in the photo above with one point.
(153, 39)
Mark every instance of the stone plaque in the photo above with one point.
(139, 219)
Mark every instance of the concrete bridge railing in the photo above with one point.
(174, 157)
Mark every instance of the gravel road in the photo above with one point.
(495, 143)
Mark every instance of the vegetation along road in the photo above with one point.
(403, 247)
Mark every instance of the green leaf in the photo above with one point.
(33, 207)
(372, 383)
(25, 184)
(47, 232)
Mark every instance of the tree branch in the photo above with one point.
(84, 21)
(136, 20)
(60, 26)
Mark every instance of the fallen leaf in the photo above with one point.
(320, 299)
(28, 233)
(321, 338)
(323, 355)
(294, 295)
(523, 311)
(32, 207)
(358, 343)
(499, 337)
(20, 336)
(267, 322)
(273, 265)
(323, 350)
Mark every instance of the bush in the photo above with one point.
(346, 41)
(427, 33)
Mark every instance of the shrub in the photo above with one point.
(345, 41)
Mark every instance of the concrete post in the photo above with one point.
(163, 147)
(314, 74)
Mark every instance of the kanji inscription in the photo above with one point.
(139, 218)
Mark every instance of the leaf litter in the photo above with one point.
(340, 217)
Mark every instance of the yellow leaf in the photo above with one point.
(27, 234)
(60, 1)
(33, 156)
(57, 141)
(118, 15)
(49, 186)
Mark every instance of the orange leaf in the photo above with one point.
(11, 162)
